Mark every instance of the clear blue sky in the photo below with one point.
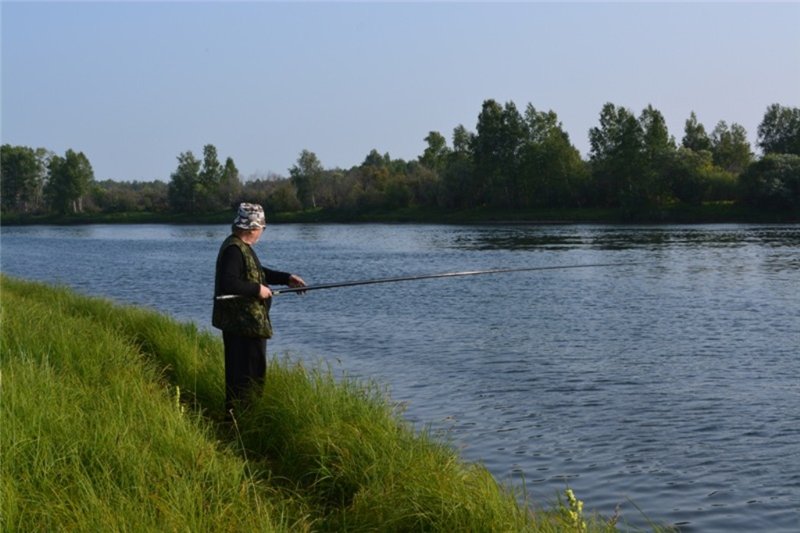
(132, 85)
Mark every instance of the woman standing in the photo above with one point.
(244, 320)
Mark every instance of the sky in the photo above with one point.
(134, 84)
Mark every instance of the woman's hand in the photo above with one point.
(296, 281)
(264, 292)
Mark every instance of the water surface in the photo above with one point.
(670, 380)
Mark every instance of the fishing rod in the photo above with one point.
(424, 276)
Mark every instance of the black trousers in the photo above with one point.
(245, 367)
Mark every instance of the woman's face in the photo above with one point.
(256, 234)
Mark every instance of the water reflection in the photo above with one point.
(201, 233)
(626, 238)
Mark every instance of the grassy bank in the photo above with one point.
(112, 420)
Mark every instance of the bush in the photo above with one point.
(772, 183)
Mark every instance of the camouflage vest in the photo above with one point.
(247, 316)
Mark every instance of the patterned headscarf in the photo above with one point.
(250, 216)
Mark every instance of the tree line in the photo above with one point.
(513, 160)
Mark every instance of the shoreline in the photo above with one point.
(726, 213)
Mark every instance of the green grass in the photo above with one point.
(93, 438)
(112, 420)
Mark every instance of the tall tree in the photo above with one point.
(435, 155)
(211, 171)
(618, 160)
(655, 135)
(550, 166)
(69, 178)
(694, 135)
(230, 186)
(659, 148)
(184, 185)
(500, 135)
(209, 180)
(779, 131)
(458, 175)
(730, 147)
(23, 174)
(305, 176)
(463, 140)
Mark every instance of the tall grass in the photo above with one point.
(347, 445)
(93, 439)
(112, 419)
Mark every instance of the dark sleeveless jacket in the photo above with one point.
(247, 316)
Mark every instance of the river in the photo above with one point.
(670, 381)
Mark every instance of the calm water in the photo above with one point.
(672, 381)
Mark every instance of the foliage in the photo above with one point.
(695, 137)
(68, 180)
(184, 186)
(513, 161)
(773, 182)
(779, 132)
(435, 155)
(201, 187)
(23, 177)
(730, 147)
(111, 196)
(305, 176)
(618, 159)
(552, 172)
(496, 152)
(230, 185)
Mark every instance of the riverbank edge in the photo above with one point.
(337, 450)
(711, 213)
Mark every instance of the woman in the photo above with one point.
(244, 320)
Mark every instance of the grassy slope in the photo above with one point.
(108, 423)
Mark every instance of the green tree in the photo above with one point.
(23, 175)
(773, 182)
(656, 137)
(779, 131)
(463, 140)
(397, 193)
(184, 185)
(230, 185)
(281, 197)
(659, 148)
(551, 170)
(111, 196)
(371, 180)
(688, 171)
(69, 180)
(435, 155)
(695, 136)
(306, 176)
(211, 171)
(496, 148)
(375, 160)
(424, 185)
(209, 180)
(618, 159)
(730, 148)
(458, 176)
